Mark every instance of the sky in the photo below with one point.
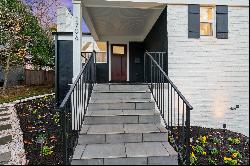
(68, 4)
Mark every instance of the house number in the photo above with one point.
(76, 29)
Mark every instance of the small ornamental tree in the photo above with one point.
(14, 43)
(20, 35)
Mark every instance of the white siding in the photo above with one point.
(213, 74)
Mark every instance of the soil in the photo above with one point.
(39, 123)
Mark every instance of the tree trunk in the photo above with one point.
(6, 74)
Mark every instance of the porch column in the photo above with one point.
(77, 38)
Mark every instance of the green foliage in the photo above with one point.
(234, 141)
(21, 34)
(235, 153)
(56, 118)
(214, 151)
(211, 161)
(198, 149)
(193, 159)
(216, 140)
(47, 150)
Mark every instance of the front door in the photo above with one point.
(119, 62)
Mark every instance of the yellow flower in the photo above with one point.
(227, 159)
(192, 154)
(204, 138)
(234, 155)
(204, 153)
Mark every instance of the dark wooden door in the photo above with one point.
(119, 62)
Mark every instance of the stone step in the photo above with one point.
(120, 133)
(5, 127)
(121, 87)
(5, 158)
(5, 140)
(3, 109)
(145, 153)
(120, 95)
(122, 116)
(143, 104)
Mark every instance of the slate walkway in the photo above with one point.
(4, 140)
(11, 143)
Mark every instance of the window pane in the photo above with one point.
(101, 52)
(99, 47)
(206, 29)
(101, 57)
(206, 14)
(118, 50)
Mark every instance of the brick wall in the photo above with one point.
(213, 74)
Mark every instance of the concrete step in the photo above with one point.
(120, 95)
(145, 153)
(120, 133)
(142, 104)
(122, 116)
(121, 87)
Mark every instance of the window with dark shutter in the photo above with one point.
(222, 22)
(194, 21)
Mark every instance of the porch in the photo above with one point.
(122, 107)
(125, 123)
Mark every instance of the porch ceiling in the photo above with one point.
(120, 21)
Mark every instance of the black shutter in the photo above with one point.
(194, 21)
(222, 22)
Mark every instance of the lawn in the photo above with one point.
(21, 92)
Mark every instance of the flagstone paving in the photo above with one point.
(5, 156)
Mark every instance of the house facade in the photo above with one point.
(204, 46)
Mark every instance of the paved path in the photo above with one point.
(11, 143)
(4, 140)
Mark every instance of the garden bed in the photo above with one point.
(41, 131)
(40, 123)
(216, 147)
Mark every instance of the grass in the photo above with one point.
(21, 92)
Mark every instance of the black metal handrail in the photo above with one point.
(173, 106)
(74, 106)
(98, 56)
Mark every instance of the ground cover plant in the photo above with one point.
(21, 92)
(216, 147)
(40, 124)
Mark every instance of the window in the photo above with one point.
(101, 52)
(120, 50)
(99, 47)
(206, 18)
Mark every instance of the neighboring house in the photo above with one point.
(206, 46)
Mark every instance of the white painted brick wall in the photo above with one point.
(213, 74)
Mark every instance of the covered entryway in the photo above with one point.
(118, 62)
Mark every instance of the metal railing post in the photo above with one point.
(188, 148)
